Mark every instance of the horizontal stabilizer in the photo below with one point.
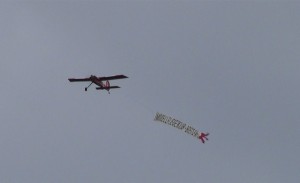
(107, 88)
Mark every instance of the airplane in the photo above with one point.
(203, 136)
(99, 81)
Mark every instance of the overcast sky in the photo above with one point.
(228, 68)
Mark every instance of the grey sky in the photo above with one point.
(231, 69)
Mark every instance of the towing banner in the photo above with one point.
(177, 124)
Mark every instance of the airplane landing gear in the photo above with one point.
(85, 89)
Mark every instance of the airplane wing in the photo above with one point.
(78, 80)
(113, 77)
(107, 88)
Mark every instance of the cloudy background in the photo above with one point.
(228, 68)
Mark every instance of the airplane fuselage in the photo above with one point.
(99, 82)
(96, 81)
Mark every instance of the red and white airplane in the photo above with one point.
(102, 82)
(203, 137)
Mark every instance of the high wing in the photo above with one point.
(78, 80)
(113, 77)
(107, 88)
